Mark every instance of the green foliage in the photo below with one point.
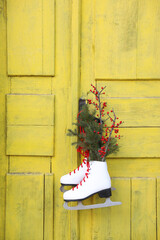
(90, 136)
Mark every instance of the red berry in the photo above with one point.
(107, 112)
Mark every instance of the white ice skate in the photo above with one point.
(73, 178)
(96, 180)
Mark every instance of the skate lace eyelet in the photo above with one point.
(74, 171)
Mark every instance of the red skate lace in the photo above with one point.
(74, 171)
(86, 176)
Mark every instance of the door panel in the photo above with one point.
(134, 219)
(34, 85)
(120, 50)
(138, 142)
(24, 207)
(114, 222)
(27, 109)
(115, 39)
(30, 140)
(29, 206)
(30, 30)
(30, 124)
(127, 39)
(131, 88)
(143, 209)
(41, 164)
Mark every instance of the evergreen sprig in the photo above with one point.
(92, 133)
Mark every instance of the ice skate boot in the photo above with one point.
(73, 178)
(96, 180)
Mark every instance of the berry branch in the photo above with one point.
(95, 137)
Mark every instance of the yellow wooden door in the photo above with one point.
(27, 55)
(50, 53)
(120, 50)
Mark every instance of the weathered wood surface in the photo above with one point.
(29, 206)
(78, 42)
(31, 37)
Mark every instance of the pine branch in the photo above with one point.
(92, 136)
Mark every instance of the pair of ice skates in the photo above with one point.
(88, 179)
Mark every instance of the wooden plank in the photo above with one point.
(48, 211)
(30, 140)
(134, 167)
(114, 222)
(135, 112)
(158, 208)
(24, 206)
(4, 88)
(148, 38)
(143, 215)
(48, 37)
(29, 164)
(138, 142)
(24, 36)
(130, 89)
(34, 85)
(86, 221)
(74, 93)
(61, 88)
(115, 39)
(127, 40)
(87, 46)
(30, 109)
(30, 37)
(87, 77)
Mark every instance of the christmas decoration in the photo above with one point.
(95, 142)
(97, 137)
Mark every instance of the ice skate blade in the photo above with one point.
(64, 190)
(80, 206)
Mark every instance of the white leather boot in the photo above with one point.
(96, 180)
(73, 178)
